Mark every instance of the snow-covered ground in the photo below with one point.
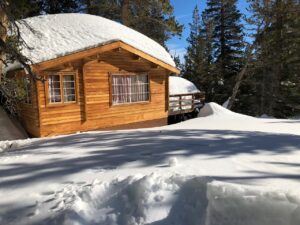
(220, 169)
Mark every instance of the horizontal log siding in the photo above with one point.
(93, 110)
(28, 113)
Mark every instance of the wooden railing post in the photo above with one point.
(181, 102)
(193, 102)
(180, 105)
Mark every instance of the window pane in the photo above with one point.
(69, 84)
(68, 78)
(69, 88)
(54, 89)
(127, 89)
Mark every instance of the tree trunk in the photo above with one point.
(240, 77)
(222, 41)
(3, 35)
(88, 6)
(125, 12)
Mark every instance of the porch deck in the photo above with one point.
(185, 103)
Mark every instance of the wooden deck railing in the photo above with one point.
(185, 103)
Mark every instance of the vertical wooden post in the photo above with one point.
(193, 102)
(180, 105)
(167, 93)
(83, 75)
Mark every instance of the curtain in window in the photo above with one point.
(69, 88)
(129, 88)
(54, 88)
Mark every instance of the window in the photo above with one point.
(69, 88)
(28, 93)
(61, 88)
(130, 88)
(54, 88)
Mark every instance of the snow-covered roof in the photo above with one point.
(62, 34)
(179, 85)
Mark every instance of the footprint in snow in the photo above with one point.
(49, 200)
(48, 193)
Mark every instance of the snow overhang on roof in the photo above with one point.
(59, 35)
(180, 86)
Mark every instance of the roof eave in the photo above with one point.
(100, 49)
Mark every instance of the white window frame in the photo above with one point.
(61, 88)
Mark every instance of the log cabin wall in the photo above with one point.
(93, 109)
(28, 111)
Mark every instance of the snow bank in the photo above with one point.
(225, 104)
(214, 109)
(7, 145)
(234, 204)
(176, 200)
(61, 34)
(173, 161)
(265, 116)
(179, 85)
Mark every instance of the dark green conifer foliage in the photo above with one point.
(153, 18)
(59, 6)
(198, 56)
(277, 64)
(195, 50)
(227, 45)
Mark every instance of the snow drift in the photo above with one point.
(8, 145)
(214, 109)
(179, 85)
(61, 34)
(176, 200)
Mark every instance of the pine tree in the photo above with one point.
(195, 51)
(177, 61)
(153, 18)
(210, 78)
(277, 56)
(110, 9)
(10, 11)
(10, 50)
(228, 44)
(58, 6)
(198, 58)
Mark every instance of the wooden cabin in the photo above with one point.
(117, 83)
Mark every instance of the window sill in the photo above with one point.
(50, 105)
(130, 103)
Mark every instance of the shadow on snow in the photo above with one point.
(109, 150)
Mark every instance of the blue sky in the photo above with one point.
(183, 11)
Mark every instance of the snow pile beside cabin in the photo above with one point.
(62, 34)
(214, 109)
